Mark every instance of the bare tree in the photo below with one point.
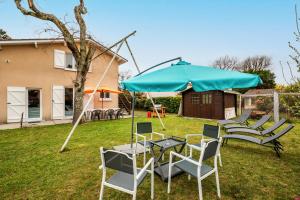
(295, 57)
(123, 75)
(255, 63)
(226, 62)
(82, 52)
(4, 35)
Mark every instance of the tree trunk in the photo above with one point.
(79, 91)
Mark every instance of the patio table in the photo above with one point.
(162, 168)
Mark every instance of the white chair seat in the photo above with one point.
(191, 168)
(125, 180)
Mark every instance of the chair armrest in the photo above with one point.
(192, 135)
(141, 136)
(172, 153)
(145, 168)
(187, 136)
(194, 147)
(160, 134)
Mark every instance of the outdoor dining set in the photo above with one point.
(104, 113)
(128, 176)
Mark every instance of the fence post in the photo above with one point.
(240, 104)
(276, 106)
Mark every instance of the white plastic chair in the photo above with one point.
(143, 128)
(210, 132)
(198, 169)
(127, 176)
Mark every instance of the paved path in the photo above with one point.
(42, 123)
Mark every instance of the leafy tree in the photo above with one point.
(4, 35)
(267, 76)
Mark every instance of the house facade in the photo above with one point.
(36, 79)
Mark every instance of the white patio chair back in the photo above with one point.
(143, 129)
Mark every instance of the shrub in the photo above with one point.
(171, 103)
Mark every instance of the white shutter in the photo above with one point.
(74, 63)
(59, 59)
(91, 67)
(58, 102)
(16, 103)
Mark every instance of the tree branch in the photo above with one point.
(35, 12)
(79, 11)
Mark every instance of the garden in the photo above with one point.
(32, 167)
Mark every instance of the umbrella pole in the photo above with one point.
(139, 71)
(132, 119)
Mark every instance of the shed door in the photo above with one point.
(206, 105)
(58, 102)
(16, 103)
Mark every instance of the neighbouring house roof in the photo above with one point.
(260, 91)
(37, 41)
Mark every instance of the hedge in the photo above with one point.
(171, 103)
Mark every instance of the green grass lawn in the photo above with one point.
(32, 168)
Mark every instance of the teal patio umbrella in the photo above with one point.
(178, 76)
(202, 78)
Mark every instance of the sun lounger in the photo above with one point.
(240, 120)
(257, 126)
(270, 141)
(268, 131)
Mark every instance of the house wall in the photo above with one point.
(32, 67)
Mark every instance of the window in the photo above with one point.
(70, 61)
(206, 98)
(195, 99)
(104, 95)
(248, 101)
(65, 60)
(68, 102)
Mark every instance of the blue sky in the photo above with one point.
(198, 30)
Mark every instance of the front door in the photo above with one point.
(34, 105)
(206, 105)
(16, 103)
(69, 102)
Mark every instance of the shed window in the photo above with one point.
(195, 99)
(206, 98)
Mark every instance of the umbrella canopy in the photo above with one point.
(177, 77)
(103, 89)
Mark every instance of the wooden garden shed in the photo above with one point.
(215, 104)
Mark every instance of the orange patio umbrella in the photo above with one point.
(102, 90)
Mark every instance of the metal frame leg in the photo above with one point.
(101, 191)
(200, 188)
(218, 183)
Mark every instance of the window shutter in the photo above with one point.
(73, 62)
(91, 66)
(59, 59)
